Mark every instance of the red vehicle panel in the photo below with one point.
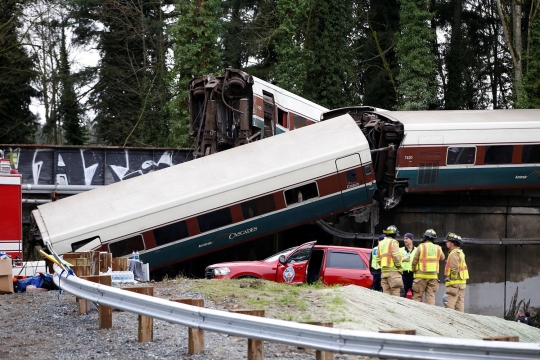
(307, 263)
(10, 210)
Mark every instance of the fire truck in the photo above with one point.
(10, 210)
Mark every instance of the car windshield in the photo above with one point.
(276, 256)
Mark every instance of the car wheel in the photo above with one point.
(247, 277)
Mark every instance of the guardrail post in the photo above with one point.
(84, 305)
(105, 312)
(195, 336)
(502, 338)
(146, 323)
(320, 354)
(80, 268)
(255, 347)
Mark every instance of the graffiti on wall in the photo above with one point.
(88, 166)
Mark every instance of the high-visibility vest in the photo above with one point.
(428, 260)
(463, 273)
(407, 265)
(374, 264)
(385, 254)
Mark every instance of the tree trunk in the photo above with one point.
(516, 32)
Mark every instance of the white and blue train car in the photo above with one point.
(217, 201)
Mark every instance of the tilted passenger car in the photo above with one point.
(307, 263)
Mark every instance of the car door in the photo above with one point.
(293, 270)
(346, 267)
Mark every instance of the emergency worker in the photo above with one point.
(375, 268)
(456, 273)
(426, 268)
(390, 262)
(407, 255)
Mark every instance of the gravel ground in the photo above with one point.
(46, 325)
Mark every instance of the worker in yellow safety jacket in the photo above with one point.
(389, 259)
(426, 268)
(456, 273)
(375, 268)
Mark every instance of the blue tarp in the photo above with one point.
(39, 281)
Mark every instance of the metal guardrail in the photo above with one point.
(309, 336)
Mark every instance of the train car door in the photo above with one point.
(429, 158)
(349, 178)
(294, 269)
(269, 114)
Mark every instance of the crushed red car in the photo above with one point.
(307, 263)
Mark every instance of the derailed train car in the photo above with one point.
(433, 151)
(237, 108)
(221, 200)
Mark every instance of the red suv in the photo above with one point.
(306, 263)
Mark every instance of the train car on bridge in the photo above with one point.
(221, 200)
(434, 151)
(237, 108)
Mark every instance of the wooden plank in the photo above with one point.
(105, 261)
(255, 347)
(195, 336)
(124, 264)
(115, 265)
(399, 331)
(94, 262)
(502, 338)
(146, 323)
(105, 312)
(81, 262)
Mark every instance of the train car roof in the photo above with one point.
(186, 183)
(473, 127)
(465, 119)
(287, 98)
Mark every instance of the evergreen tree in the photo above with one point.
(17, 123)
(416, 80)
(196, 53)
(313, 49)
(69, 111)
(377, 67)
(248, 29)
(532, 76)
(131, 93)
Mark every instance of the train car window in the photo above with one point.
(500, 154)
(345, 260)
(259, 206)
(214, 219)
(461, 155)
(283, 117)
(351, 177)
(530, 154)
(299, 121)
(126, 246)
(367, 170)
(169, 233)
(301, 193)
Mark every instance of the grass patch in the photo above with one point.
(302, 303)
